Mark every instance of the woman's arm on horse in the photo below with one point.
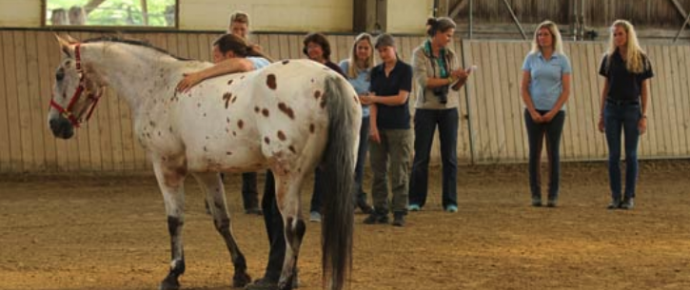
(227, 66)
(397, 100)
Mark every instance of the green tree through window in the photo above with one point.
(157, 13)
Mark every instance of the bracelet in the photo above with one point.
(450, 80)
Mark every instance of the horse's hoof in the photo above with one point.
(169, 283)
(240, 280)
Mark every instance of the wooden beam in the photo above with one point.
(93, 4)
(515, 19)
(679, 8)
(456, 10)
(144, 12)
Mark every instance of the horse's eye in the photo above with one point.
(59, 75)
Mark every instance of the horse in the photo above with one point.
(288, 117)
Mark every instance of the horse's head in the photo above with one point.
(75, 93)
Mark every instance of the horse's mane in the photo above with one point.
(133, 42)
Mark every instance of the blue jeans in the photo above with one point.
(425, 122)
(536, 133)
(360, 195)
(617, 118)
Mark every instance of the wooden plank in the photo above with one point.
(671, 84)
(654, 134)
(172, 43)
(94, 128)
(588, 95)
(82, 135)
(659, 104)
(284, 44)
(524, 48)
(205, 46)
(263, 41)
(469, 58)
(274, 43)
(665, 108)
(295, 46)
(501, 95)
(46, 77)
(25, 128)
(514, 62)
(683, 63)
(575, 113)
(5, 164)
(594, 55)
(182, 47)
(486, 105)
(193, 46)
(36, 114)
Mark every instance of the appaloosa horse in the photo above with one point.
(289, 117)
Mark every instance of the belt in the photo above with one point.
(622, 102)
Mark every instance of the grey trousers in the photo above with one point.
(393, 154)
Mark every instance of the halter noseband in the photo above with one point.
(67, 112)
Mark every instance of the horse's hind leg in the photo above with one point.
(215, 198)
(287, 197)
(170, 178)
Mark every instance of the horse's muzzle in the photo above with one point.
(61, 127)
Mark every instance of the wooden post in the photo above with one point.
(145, 12)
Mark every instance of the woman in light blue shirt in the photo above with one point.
(545, 89)
(357, 68)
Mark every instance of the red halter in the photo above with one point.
(67, 112)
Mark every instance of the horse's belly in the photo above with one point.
(219, 158)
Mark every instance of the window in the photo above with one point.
(141, 13)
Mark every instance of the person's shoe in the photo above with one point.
(414, 207)
(262, 284)
(364, 207)
(399, 219)
(315, 217)
(253, 210)
(628, 203)
(452, 209)
(375, 218)
(536, 201)
(552, 202)
(614, 204)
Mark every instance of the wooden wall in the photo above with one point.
(491, 128)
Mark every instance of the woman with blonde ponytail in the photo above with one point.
(624, 101)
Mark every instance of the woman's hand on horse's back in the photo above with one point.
(189, 80)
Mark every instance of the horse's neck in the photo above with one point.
(135, 73)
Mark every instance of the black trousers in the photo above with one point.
(274, 229)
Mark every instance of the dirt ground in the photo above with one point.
(91, 232)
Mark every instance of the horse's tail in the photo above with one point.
(339, 161)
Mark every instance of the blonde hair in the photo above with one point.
(556, 35)
(352, 67)
(634, 59)
(239, 16)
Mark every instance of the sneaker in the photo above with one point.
(315, 217)
(551, 202)
(364, 207)
(452, 208)
(414, 207)
(628, 203)
(615, 204)
(536, 201)
(375, 218)
(254, 210)
(399, 219)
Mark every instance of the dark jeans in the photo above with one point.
(536, 133)
(317, 194)
(617, 118)
(425, 122)
(360, 195)
(274, 229)
(250, 196)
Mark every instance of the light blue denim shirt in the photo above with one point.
(361, 83)
(258, 62)
(546, 83)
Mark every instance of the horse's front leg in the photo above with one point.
(170, 175)
(215, 199)
(287, 197)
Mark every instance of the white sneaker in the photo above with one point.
(315, 217)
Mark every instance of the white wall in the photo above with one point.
(408, 16)
(20, 13)
(269, 15)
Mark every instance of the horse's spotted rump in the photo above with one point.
(226, 98)
(271, 81)
(286, 61)
(240, 124)
(317, 94)
(311, 128)
(268, 141)
(264, 112)
(287, 110)
(281, 136)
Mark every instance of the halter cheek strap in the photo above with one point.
(67, 112)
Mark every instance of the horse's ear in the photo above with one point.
(71, 39)
(64, 45)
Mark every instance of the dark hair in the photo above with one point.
(384, 40)
(441, 24)
(238, 46)
(319, 39)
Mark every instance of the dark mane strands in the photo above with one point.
(133, 42)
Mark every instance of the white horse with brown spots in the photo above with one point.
(290, 117)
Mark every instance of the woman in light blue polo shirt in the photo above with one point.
(545, 89)
(357, 68)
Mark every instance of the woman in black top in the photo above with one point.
(624, 103)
